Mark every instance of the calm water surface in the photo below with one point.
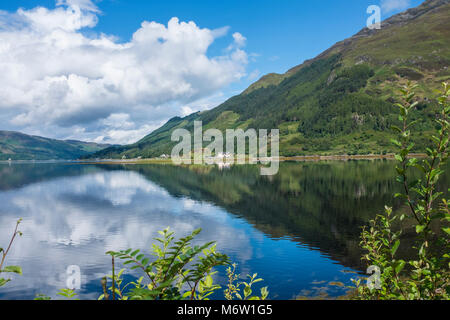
(298, 230)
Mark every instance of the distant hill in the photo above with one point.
(342, 101)
(19, 146)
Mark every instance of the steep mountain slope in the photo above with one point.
(19, 146)
(340, 102)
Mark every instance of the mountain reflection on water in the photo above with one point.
(299, 230)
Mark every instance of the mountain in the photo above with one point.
(340, 102)
(19, 146)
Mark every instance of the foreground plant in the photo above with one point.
(233, 289)
(68, 294)
(178, 270)
(4, 253)
(427, 275)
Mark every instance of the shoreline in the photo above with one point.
(281, 159)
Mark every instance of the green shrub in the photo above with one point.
(426, 275)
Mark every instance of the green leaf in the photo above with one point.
(420, 228)
(208, 281)
(247, 291)
(4, 281)
(395, 247)
(13, 269)
(396, 142)
(264, 293)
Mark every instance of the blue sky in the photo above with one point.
(279, 35)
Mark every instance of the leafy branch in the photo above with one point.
(4, 253)
(168, 273)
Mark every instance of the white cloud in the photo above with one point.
(394, 5)
(57, 81)
(120, 129)
(238, 43)
(239, 39)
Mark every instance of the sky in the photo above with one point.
(112, 71)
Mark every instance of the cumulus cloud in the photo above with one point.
(57, 81)
(238, 43)
(394, 5)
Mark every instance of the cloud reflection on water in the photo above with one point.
(76, 220)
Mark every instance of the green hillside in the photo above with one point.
(341, 102)
(19, 146)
